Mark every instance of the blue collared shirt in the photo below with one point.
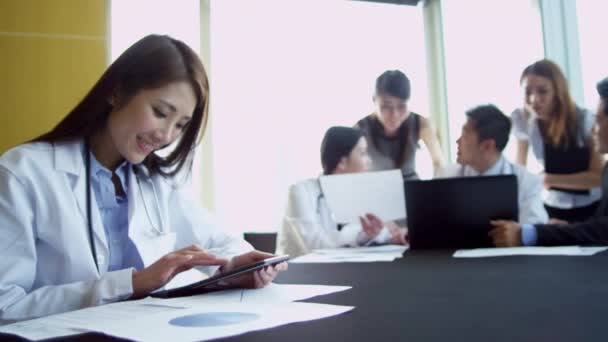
(114, 211)
(529, 235)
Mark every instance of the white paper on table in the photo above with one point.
(157, 327)
(80, 321)
(395, 249)
(339, 258)
(559, 250)
(352, 195)
(35, 330)
(76, 322)
(273, 293)
(592, 250)
(288, 292)
(362, 254)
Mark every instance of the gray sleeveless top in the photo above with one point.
(397, 152)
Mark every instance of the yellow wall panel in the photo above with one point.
(47, 77)
(70, 17)
(52, 53)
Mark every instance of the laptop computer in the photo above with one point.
(456, 212)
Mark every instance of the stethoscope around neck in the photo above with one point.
(158, 231)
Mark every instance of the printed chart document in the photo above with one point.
(385, 253)
(273, 293)
(220, 320)
(352, 195)
(101, 317)
(152, 322)
(289, 292)
(559, 250)
(85, 320)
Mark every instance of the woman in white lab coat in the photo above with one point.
(308, 222)
(90, 214)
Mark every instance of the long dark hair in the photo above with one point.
(562, 127)
(152, 62)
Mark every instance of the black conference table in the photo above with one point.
(430, 296)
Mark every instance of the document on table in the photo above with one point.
(176, 324)
(352, 195)
(272, 293)
(35, 330)
(95, 318)
(359, 254)
(216, 321)
(559, 250)
(85, 320)
(289, 292)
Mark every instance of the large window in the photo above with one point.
(285, 71)
(134, 19)
(594, 54)
(488, 44)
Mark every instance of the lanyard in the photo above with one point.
(158, 230)
(90, 224)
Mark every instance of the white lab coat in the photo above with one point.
(308, 224)
(46, 263)
(529, 187)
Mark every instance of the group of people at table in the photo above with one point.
(90, 214)
(555, 208)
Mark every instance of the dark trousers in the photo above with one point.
(579, 214)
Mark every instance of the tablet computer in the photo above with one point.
(215, 283)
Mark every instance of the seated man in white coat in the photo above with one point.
(480, 146)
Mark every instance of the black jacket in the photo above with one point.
(594, 231)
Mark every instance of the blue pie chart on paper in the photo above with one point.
(213, 319)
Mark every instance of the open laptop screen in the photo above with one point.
(455, 212)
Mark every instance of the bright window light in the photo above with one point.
(285, 71)
(488, 44)
(594, 55)
(133, 19)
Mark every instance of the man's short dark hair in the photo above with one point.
(490, 123)
(602, 89)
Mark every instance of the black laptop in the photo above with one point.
(456, 212)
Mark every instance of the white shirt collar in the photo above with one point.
(494, 170)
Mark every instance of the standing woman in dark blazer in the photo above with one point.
(560, 135)
(393, 131)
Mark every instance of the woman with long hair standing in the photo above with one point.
(560, 136)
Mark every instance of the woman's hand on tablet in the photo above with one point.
(167, 267)
(256, 279)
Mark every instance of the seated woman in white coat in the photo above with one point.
(484, 136)
(90, 214)
(308, 223)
